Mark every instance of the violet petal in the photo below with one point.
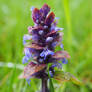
(64, 61)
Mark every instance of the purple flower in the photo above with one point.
(61, 46)
(53, 26)
(35, 37)
(42, 54)
(58, 29)
(25, 60)
(41, 60)
(45, 27)
(29, 29)
(64, 61)
(54, 44)
(32, 8)
(46, 52)
(56, 18)
(27, 53)
(41, 32)
(58, 65)
(42, 38)
(49, 39)
(28, 80)
(51, 74)
(54, 65)
(26, 37)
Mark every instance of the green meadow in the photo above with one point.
(75, 16)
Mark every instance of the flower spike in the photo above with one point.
(39, 47)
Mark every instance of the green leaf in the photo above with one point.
(62, 76)
(51, 88)
(75, 80)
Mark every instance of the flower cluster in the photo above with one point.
(40, 43)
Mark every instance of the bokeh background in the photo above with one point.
(75, 16)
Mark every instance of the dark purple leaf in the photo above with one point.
(45, 10)
(50, 19)
(36, 15)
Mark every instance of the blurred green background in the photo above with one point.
(75, 16)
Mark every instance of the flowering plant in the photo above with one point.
(39, 49)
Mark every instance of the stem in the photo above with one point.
(44, 85)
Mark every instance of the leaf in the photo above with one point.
(31, 69)
(51, 33)
(36, 15)
(34, 46)
(61, 54)
(75, 80)
(45, 10)
(50, 19)
(66, 76)
(51, 85)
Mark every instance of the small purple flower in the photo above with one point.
(54, 65)
(27, 53)
(49, 39)
(53, 27)
(42, 54)
(35, 37)
(29, 29)
(45, 27)
(61, 46)
(26, 37)
(64, 61)
(58, 65)
(32, 8)
(46, 52)
(51, 74)
(54, 44)
(56, 18)
(25, 60)
(41, 32)
(24, 42)
(28, 80)
(41, 60)
(58, 29)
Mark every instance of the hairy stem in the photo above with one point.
(44, 85)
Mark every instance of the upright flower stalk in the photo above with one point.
(39, 47)
(44, 85)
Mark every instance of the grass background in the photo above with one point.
(76, 19)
